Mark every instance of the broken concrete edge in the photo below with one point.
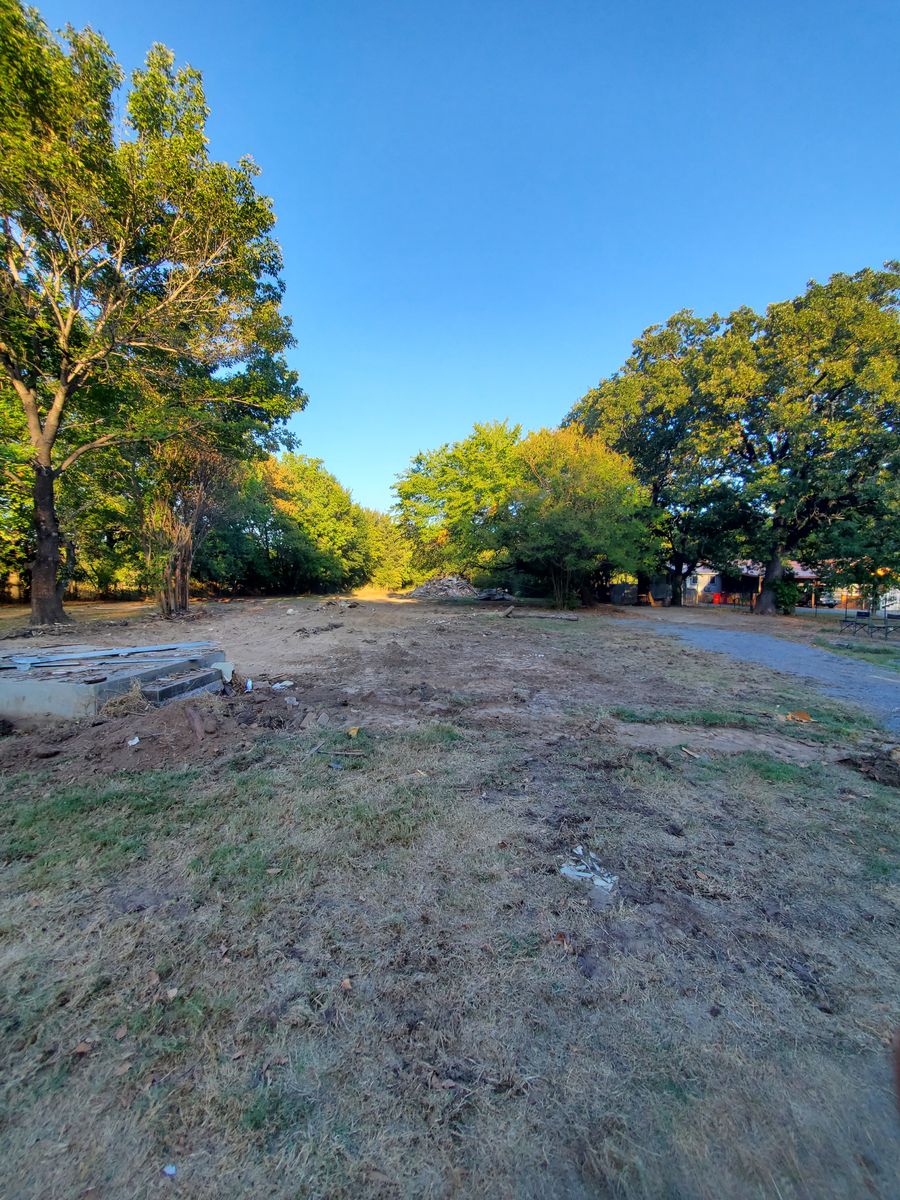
(159, 691)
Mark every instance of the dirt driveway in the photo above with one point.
(317, 940)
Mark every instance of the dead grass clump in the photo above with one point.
(127, 704)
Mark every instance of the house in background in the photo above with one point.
(709, 586)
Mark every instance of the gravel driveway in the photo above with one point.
(869, 686)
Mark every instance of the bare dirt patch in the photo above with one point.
(325, 948)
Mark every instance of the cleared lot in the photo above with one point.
(287, 958)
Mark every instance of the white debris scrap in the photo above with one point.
(584, 867)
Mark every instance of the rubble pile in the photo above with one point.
(449, 587)
(497, 593)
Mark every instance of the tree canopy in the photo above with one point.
(448, 497)
(575, 515)
(554, 508)
(139, 296)
(759, 434)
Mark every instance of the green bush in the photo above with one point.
(787, 596)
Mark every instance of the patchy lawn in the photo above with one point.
(872, 650)
(288, 961)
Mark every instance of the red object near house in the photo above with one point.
(718, 597)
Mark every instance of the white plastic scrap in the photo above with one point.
(171, 1170)
(133, 741)
(285, 683)
(248, 686)
(584, 867)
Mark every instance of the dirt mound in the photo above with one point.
(178, 734)
(448, 587)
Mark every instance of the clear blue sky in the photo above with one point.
(482, 202)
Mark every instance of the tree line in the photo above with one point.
(145, 388)
(145, 394)
(767, 437)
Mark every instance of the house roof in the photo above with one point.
(748, 568)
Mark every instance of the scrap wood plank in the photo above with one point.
(547, 616)
(7, 658)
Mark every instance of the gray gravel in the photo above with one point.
(841, 678)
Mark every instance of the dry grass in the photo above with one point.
(295, 972)
(128, 703)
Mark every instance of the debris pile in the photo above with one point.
(76, 680)
(497, 593)
(449, 587)
(883, 766)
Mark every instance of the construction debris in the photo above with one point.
(883, 766)
(449, 587)
(583, 866)
(497, 594)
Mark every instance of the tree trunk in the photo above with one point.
(676, 581)
(46, 588)
(165, 593)
(183, 578)
(561, 582)
(173, 593)
(765, 605)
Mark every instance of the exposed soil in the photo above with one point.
(398, 665)
(315, 940)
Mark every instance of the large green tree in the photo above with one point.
(319, 516)
(139, 290)
(448, 497)
(811, 393)
(575, 515)
(763, 433)
(656, 410)
(861, 550)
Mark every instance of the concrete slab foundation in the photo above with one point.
(76, 681)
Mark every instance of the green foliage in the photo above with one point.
(291, 527)
(140, 298)
(772, 436)
(861, 550)
(655, 410)
(390, 549)
(448, 498)
(787, 595)
(811, 391)
(326, 539)
(575, 516)
(556, 508)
